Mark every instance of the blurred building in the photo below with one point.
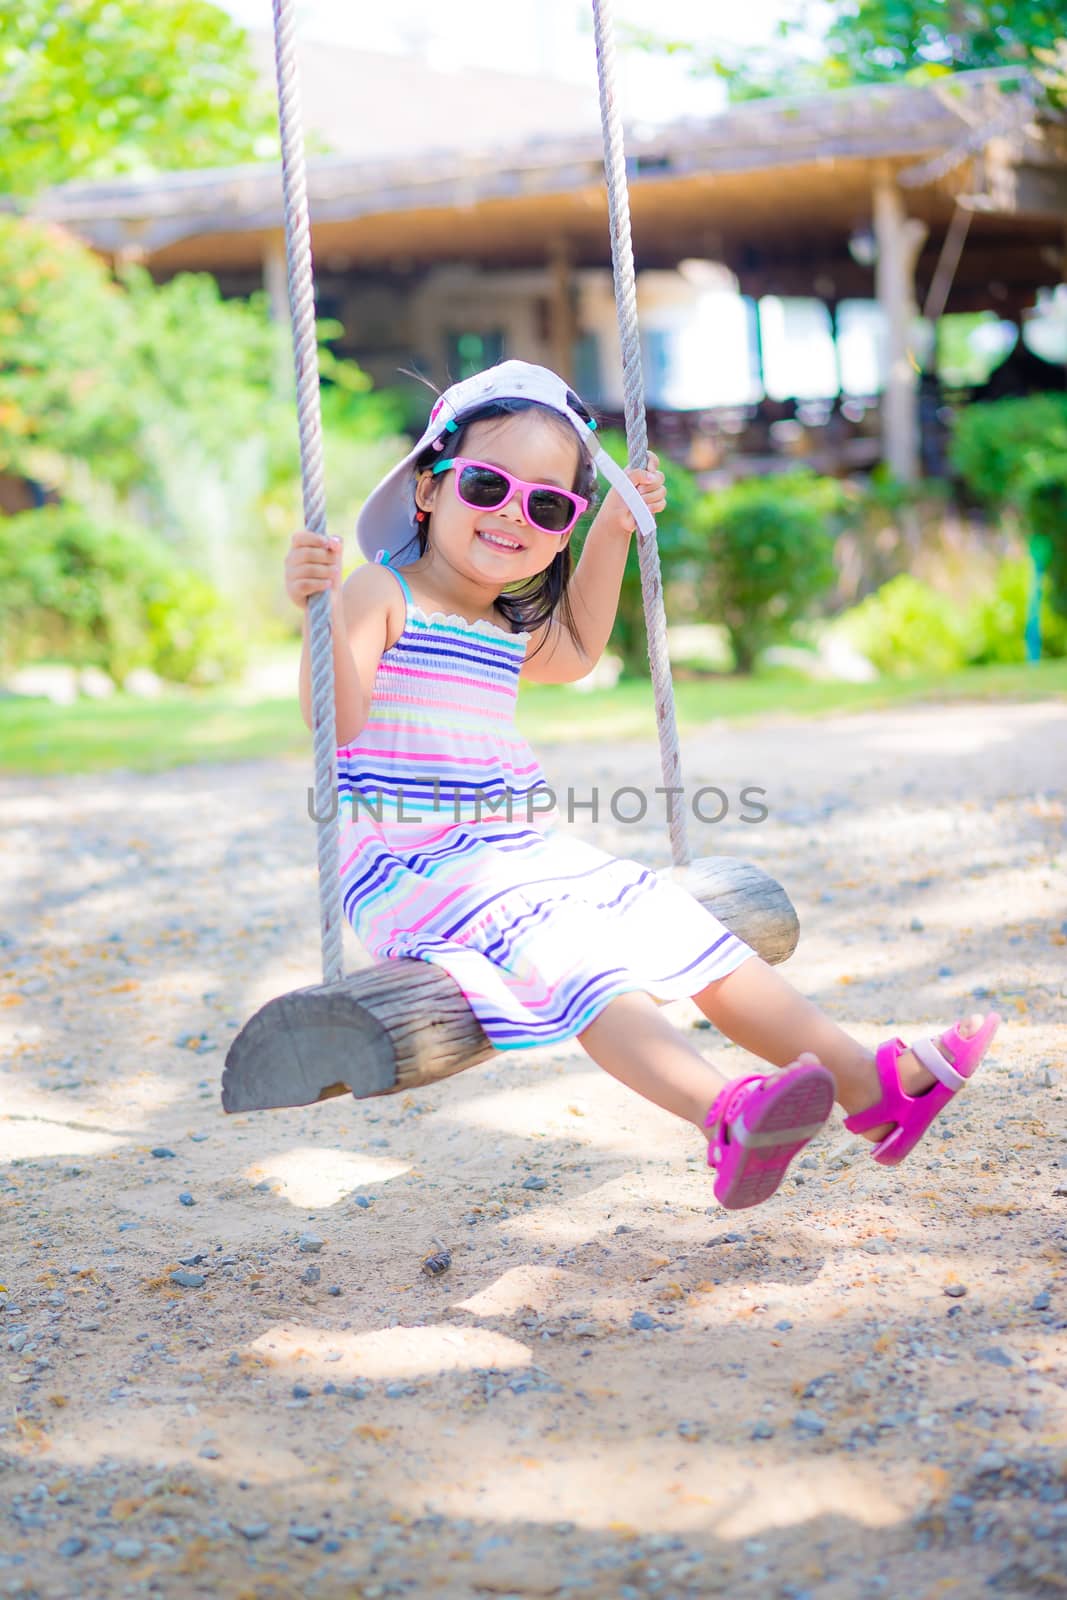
(821, 226)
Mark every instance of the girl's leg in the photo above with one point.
(634, 1042)
(759, 1010)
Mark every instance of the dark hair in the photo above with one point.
(531, 603)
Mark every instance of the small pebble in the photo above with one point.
(128, 1549)
(955, 1291)
(311, 1275)
(73, 1546)
(1041, 1302)
(996, 1356)
(306, 1534)
(188, 1280)
(763, 1430)
(535, 1183)
(363, 1201)
(301, 1392)
(808, 1422)
(334, 1289)
(783, 1326)
(692, 1430)
(209, 1453)
(255, 1530)
(186, 1199)
(641, 1321)
(161, 1153)
(310, 1244)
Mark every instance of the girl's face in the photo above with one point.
(529, 447)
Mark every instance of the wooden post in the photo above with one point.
(899, 240)
(562, 320)
(276, 284)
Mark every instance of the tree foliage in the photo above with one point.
(97, 88)
(874, 41)
(89, 367)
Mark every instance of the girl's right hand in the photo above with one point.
(312, 565)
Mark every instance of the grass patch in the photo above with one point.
(39, 738)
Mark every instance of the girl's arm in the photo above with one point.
(594, 589)
(359, 625)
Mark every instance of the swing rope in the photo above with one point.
(309, 416)
(622, 264)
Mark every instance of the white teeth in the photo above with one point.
(503, 544)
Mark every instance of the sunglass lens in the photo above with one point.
(551, 509)
(481, 486)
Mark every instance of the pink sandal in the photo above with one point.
(759, 1124)
(913, 1114)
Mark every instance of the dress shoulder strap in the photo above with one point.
(382, 559)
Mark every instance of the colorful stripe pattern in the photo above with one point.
(538, 928)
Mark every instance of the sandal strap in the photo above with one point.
(927, 1052)
(726, 1103)
(890, 1105)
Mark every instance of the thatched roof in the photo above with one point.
(772, 188)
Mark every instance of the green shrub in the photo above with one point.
(765, 552)
(1045, 516)
(108, 596)
(1000, 446)
(908, 629)
(996, 623)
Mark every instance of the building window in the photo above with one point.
(468, 353)
(799, 358)
(656, 352)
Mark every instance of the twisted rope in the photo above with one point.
(622, 265)
(309, 416)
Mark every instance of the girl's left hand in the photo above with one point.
(651, 487)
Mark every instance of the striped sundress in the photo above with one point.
(539, 929)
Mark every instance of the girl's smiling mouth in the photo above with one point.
(499, 541)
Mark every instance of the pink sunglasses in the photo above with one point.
(486, 488)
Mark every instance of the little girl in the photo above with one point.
(451, 849)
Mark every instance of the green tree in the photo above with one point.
(97, 88)
(873, 41)
(869, 41)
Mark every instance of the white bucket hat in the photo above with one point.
(386, 527)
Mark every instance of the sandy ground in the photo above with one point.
(617, 1389)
